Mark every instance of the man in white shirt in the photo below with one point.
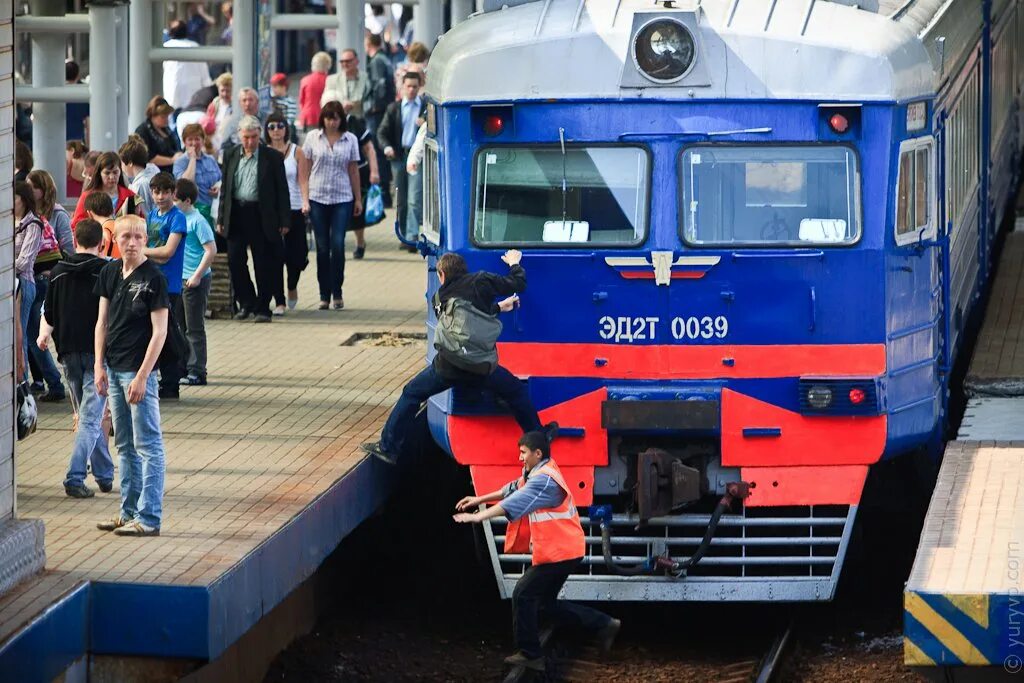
(183, 79)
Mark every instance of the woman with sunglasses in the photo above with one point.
(296, 251)
(331, 172)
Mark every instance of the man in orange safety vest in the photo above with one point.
(542, 520)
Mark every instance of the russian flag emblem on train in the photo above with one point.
(662, 266)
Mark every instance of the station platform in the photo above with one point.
(264, 479)
(963, 604)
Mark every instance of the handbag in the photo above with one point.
(373, 211)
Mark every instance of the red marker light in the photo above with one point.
(857, 396)
(494, 125)
(839, 123)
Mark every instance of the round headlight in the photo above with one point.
(664, 50)
(819, 397)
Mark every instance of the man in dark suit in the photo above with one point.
(254, 214)
(396, 135)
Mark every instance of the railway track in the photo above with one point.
(584, 665)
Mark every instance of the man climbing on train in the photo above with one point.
(544, 521)
(465, 338)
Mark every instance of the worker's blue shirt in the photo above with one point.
(539, 492)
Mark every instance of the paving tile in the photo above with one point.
(278, 424)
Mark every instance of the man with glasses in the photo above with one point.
(348, 86)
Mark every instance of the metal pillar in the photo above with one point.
(158, 19)
(140, 78)
(103, 88)
(122, 73)
(48, 131)
(461, 10)
(243, 46)
(351, 28)
(429, 24)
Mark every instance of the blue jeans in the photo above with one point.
(28, 296)
(90, 442)
(42, 358)
(330, 221)
(430, 382)
(140, 446)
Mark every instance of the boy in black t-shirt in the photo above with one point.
(130, 333)
(70, 315)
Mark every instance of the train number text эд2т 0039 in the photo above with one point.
(629, 329)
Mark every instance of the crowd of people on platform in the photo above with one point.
(118, 285)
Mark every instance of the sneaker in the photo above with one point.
(606, 636)
(78, 491)
(37, 387)
(52, 396)
(105, 486)
(292, 303)
(262, 318)
(359, 253)
(550, 430)
(279, 310)
(243, 315)
(168, 393)
(323, 306)
(525, 661)
(373, 448)
(193, 381)
(339, 303)
(111, 524)
(136, 528)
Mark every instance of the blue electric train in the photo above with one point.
(754, 232)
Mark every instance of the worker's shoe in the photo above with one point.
(606, 636)
(525, 661)
(374, 448)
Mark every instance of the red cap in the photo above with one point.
(279, 79)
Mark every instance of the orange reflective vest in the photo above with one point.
(550, 534)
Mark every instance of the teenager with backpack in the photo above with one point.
(465, 337)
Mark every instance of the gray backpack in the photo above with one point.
(465, 336)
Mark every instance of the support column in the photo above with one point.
(243, 46)
(429, 22)
(48, 131)
(102, 74)
(122, 73)
(156, 69)
(140, 78)
(351, 27)
(461, 10)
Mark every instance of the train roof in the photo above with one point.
(842, 50)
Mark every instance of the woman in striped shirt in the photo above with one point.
(331, 170)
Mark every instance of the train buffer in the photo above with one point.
(964, 601)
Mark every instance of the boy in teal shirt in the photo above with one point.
(196, 277)
(165, 226)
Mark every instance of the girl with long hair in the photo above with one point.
(107, 178)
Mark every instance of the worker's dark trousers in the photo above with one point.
(537, 593)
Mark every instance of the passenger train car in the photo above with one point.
(754, 233)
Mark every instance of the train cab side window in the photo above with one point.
(431, 226)
(914, 193)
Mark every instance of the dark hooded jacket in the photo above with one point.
(71, 306)
(480, 289)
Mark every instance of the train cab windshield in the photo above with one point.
(770, 195)
(546, 195)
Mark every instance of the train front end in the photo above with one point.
(705, 313)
